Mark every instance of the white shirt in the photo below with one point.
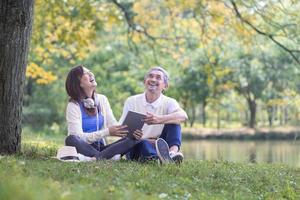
(162, 106)
(74, 120)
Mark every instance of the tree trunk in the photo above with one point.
(15, 24)
(218, 118)
(252, 108)
(286, 115)
(193, 118)
(280, 116)
(270, 111)
(29, 87)
(246, 118)
(203, 113)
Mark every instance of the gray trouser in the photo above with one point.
(121, 146)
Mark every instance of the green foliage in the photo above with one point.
(46, 106)
(214, 59)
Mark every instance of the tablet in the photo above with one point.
(134, 121)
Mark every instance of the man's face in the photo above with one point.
(154, 82)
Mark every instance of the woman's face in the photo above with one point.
(87, 80)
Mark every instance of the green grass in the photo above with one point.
(34, 174)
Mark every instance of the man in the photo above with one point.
(161, 132)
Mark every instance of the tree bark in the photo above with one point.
(16, 18)
(193, 117)
(204, 113)
(281, 116)
(270, 111)
(218, 118)
(252, 108)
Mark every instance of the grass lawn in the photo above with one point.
(35, 175)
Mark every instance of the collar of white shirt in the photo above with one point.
(154, 104)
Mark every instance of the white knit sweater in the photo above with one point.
(162, 106)
(74, 120)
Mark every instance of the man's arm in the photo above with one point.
(175, 117)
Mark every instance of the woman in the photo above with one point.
(90, 119)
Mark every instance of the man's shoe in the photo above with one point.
(176, 156)
(162, 149)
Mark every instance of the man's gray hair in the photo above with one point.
(158, 68)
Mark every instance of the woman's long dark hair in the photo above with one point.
(73, 88)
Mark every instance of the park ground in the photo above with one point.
(35, 174)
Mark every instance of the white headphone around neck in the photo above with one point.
(89, 103)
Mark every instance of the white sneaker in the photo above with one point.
(176, 156)
(116, 157)
(162, 150)
(83, 158)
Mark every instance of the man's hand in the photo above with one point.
(119, 131)
(137, 134)
(153, 119)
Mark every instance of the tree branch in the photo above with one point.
(138, 27)
(268, 35)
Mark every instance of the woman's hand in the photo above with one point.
(137, 134)
(119, 131)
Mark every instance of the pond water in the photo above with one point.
(287, 152)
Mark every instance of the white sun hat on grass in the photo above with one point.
(67, 154)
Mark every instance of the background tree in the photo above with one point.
(206, 47)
